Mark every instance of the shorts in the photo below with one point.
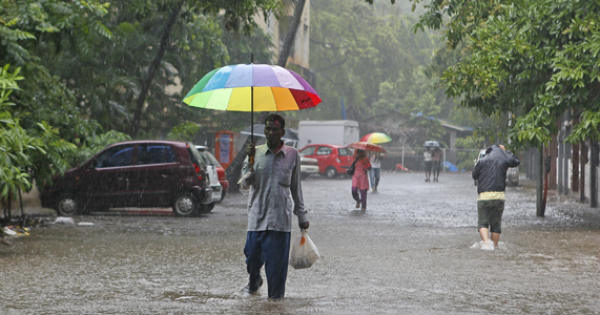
(428, 165)
(489, 215)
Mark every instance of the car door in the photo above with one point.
(157, 163)
(324, 156)
(345, 156)
(107, 182)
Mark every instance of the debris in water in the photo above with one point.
(85, 223)
(64, 220)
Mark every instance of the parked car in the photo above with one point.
(213, 164)
(142, 173)
(512, 174)
(308, 166)
(332, 159)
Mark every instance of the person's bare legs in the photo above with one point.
(484, 233)
(495, 239)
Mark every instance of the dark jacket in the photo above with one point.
(490, 171)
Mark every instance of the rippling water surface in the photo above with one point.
(410, 253)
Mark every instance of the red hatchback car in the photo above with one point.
(333, 159)
(142, 173)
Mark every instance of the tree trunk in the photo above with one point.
(553, 154)
(583, 161)
(164, 41)
(575, 168)
(561, 157)
(567, 150)
(594, 175)
(291, 34)
(539, 202)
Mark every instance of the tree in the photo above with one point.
(235, 12)
(535, 58)
(25, 155)
(291, 33)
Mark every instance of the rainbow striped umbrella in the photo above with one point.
(252, 87)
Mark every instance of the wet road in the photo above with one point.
(410, 253)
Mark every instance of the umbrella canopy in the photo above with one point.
(431, 143)
(376, 137)
(361, 145)
(252, 87)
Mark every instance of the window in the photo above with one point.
(324, 151)
(117, 156)
(210, 159)
(308, 151)
(345, 152)
(156, 153)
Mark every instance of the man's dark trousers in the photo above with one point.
(272, 249)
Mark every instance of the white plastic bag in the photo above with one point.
(304, 252)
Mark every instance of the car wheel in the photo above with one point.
(67, 205)
(185, 205)
(207, 208)
(330, 172)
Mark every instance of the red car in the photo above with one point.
(333, 159)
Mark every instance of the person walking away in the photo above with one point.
(360, 182)
(375, 171)
(436, 161)
(427, 158)
(274, 182)
(490, 173)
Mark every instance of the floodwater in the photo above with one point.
(410, 253)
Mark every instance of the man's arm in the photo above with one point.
(512, 160)
(296, 190)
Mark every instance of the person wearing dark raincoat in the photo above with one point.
(490, 174)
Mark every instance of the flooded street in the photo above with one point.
(410, 253)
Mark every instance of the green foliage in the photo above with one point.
(184, 132)
(25, 154)
(534, 58)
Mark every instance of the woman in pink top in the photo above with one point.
(360, 179)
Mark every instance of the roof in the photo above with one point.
(455, 127)
(171, 142)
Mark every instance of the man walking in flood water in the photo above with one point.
(274, 182)
(490, 173)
